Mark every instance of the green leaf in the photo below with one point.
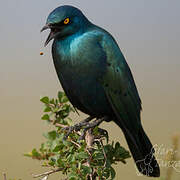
(120, 152)
(64, 99)
(60, 162)
(113, 173)
(86, 169)
(47, 109)
(73, 159)
(45, 117)
(67, 143)
(28, 154)
(106, 173)
(99, 172)
(60, 95)
(99, 155)
(52, 135)
(55, 110)
(95, 130)
(42, 148)
(82, 155)
(73, 176)
(45, 100)
(53, 145)
(57, 148)
(35, 153)
(52, 101)
(51, 163)
(117, 146)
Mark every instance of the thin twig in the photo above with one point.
(78, 145)
(58, 124)
(105, 157)
(47, 173)
(89, 138)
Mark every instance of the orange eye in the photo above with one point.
(66, 21)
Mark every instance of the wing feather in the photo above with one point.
(119, 85)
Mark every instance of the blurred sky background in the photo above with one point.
(148, 33)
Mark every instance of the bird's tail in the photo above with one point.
(142, 152)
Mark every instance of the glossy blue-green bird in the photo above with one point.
(97, 79)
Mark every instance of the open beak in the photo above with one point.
(51, 34)
(45, 27)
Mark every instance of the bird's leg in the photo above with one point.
(86, 124)
(95, 123)
(92, 125)
(83, 123)
(77, 126)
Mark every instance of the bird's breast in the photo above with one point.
(81, 56)
(79, 65)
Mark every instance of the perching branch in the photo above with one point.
(47, 173)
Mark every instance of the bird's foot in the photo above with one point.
(77, 126)
(103, 133)
(92, 125)
(85, 125)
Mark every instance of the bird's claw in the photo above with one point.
(77, 127)
(102, 132)
(85, 125)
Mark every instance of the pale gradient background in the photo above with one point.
(148, 33)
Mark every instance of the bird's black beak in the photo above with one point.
(51, 34)
(45, 27)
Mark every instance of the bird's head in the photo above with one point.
(64, 21)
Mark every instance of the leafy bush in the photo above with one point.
(89, 158)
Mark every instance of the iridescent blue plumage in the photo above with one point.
(96, 78)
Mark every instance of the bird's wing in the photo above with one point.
(119, 86)
(122, 94)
